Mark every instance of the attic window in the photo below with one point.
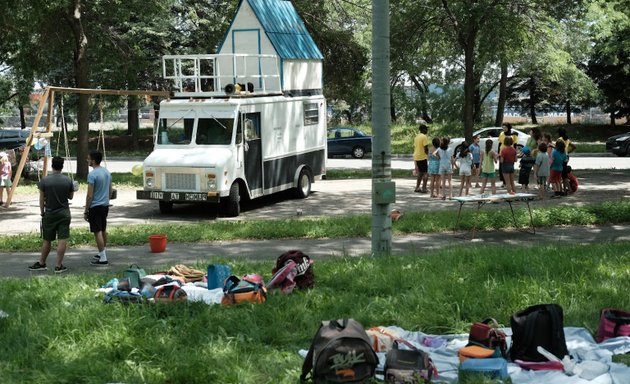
(311, 114)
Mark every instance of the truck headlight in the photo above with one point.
(150, 182)
(212, 182)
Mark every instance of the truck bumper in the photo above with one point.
(179, 197)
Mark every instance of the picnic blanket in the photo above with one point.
(580, 343)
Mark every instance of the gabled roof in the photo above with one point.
(285, 29)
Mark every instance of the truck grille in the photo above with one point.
(180, 182)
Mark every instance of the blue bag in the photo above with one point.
(217, 273)
(495, 368)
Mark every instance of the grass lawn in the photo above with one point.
(59, 331)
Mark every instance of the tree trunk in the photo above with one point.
(424, 104)
(392, 106)
(498, 121)
(532, 100)
(612, 119)
(469, 87)
(22, 117)
(81, 77)
(133, 123)
(568, 109)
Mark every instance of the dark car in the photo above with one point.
(348, 141)
(619, 144)
(13, 138)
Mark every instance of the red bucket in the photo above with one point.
(157, 243)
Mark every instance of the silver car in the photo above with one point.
(489, 133)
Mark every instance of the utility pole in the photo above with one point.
(383, 188)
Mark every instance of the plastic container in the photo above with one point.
(157, 243)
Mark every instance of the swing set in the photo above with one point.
(48, 97)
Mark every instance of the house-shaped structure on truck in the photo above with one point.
(245, 122)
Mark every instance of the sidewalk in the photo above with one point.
(78, 259)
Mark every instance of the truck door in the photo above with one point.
(253, 152)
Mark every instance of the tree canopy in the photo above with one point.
(448, 58)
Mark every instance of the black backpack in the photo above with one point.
(538, 325)
(340, 353)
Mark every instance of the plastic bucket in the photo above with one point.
(157, 243)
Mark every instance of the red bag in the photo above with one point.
(488, 335)
(613, 323)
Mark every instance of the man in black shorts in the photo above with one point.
(97, 204)
(54, 192)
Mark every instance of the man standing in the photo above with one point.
(420, 157)
(97, 204)
(54, 192)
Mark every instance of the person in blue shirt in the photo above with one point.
(97, 204)
(557, 159)
(476, 154)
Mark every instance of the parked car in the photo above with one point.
(11, 138)
(619, 144)
(348, 141)
(489, 133)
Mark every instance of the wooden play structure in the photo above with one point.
(48, 97)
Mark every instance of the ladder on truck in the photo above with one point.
(223, 74)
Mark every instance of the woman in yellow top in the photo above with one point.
(507, 131)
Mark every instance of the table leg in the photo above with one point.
(513, 216)
(459, 213)
(531, 219)
(479, 205)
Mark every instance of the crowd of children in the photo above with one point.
(477, 163)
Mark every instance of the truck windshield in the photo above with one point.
(212, 131)
(175, 131)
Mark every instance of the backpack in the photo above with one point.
(613, 323)
(135, 274)
(340, 353)
(538, 325)
(304, 278)
(250, 288)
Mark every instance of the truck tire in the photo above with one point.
(303, 188)
(232, 203)
(166, 207)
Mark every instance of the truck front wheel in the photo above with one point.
(232, 203)
(166, 207)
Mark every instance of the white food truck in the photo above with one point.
(241, 125)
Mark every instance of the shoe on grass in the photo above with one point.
(61, 269)
(37, 267)
(99, 262)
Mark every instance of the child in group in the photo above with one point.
(434, 168)
(476, 154)
(5, 176)
(507, 159)
(555, 174)
(571, 183)
(541, 169)
(446, 166)
(488, 160)
(465, 160)
(527, 162)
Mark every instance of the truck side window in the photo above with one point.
(252, 126)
